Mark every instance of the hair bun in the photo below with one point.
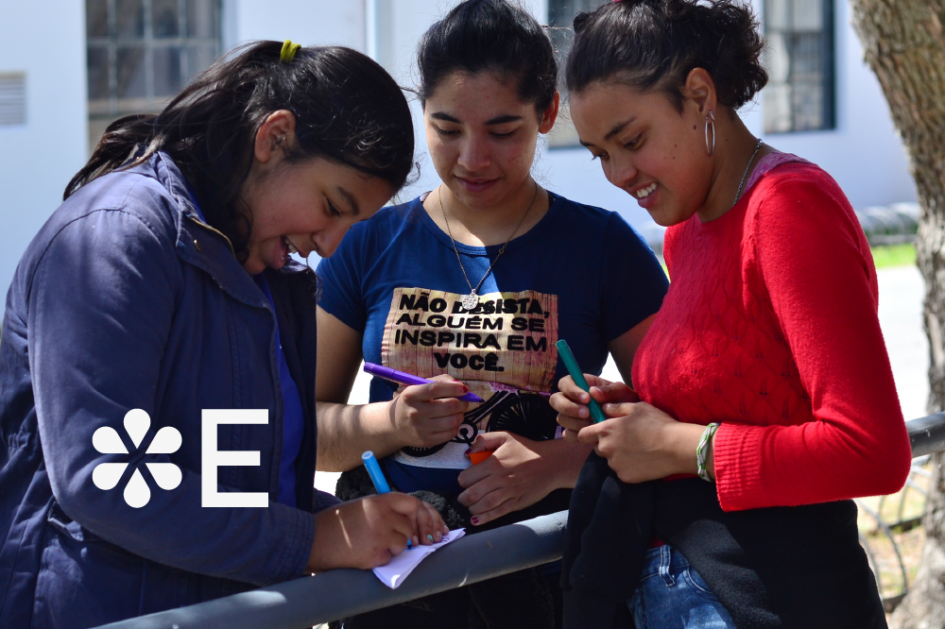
(580, 21)
(654, 44)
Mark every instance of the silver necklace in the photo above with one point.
(738, 195)
(471, 301)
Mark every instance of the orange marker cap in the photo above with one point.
(479, 457)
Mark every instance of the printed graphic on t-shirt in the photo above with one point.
(503, 350)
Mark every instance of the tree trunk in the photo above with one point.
(904, 45)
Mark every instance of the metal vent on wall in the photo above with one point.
(12, 99)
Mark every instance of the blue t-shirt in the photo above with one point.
(581, 274)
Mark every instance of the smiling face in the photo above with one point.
(482, 137)
(307, 206)
(647, 147)
(301, 205)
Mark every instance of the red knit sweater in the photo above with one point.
(770, 328)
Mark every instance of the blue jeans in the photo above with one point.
(672, 595)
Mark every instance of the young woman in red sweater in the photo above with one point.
(767, 355)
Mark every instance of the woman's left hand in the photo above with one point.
(519, 473)
(641, 442)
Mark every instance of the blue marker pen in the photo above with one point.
(374, 471)
(377, 476)
(574, 370)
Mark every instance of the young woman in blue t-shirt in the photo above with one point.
(473, 283)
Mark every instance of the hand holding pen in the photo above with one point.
(431, 533)
(403, 377)
(368, 532)
(580, 396)
(425, 414)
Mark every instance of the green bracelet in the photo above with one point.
(702, 451)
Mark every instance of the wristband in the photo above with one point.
(703, 449)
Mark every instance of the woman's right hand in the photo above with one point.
(368, 532)
(427, 415)
(571, 401)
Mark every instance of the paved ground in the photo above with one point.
(900, 315)
(901, 291)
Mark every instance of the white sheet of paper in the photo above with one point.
(399, 568)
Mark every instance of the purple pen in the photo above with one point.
(406, 378)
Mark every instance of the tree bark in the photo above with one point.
(904, 45)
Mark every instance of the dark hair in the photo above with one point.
(493, 36)
(347, 109)
(654, 44)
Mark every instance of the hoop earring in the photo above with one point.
(710, 122)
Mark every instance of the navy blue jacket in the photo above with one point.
(125, 300)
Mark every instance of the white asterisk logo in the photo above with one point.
(107, 441)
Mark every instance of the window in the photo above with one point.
(560, 18)
(800, 91)
(142, 52)
(12, 99)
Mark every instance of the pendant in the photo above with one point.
(470, 301)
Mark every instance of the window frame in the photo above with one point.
(827, 68)
(102, 111)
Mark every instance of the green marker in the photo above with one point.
(575, 371)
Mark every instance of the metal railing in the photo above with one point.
(927, 434)
(341, 593)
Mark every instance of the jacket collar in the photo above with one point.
(203, 246)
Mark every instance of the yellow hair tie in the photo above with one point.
(288, 51)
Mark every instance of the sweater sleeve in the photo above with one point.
(815, 267)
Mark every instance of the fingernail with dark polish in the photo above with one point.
(465, 389)
(468, 450)
(475, 520)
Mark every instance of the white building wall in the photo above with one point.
(864, 153)
(399, 27)
(46, 41)
(307, 22)
(37, 159)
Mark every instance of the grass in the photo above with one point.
(893, 255)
